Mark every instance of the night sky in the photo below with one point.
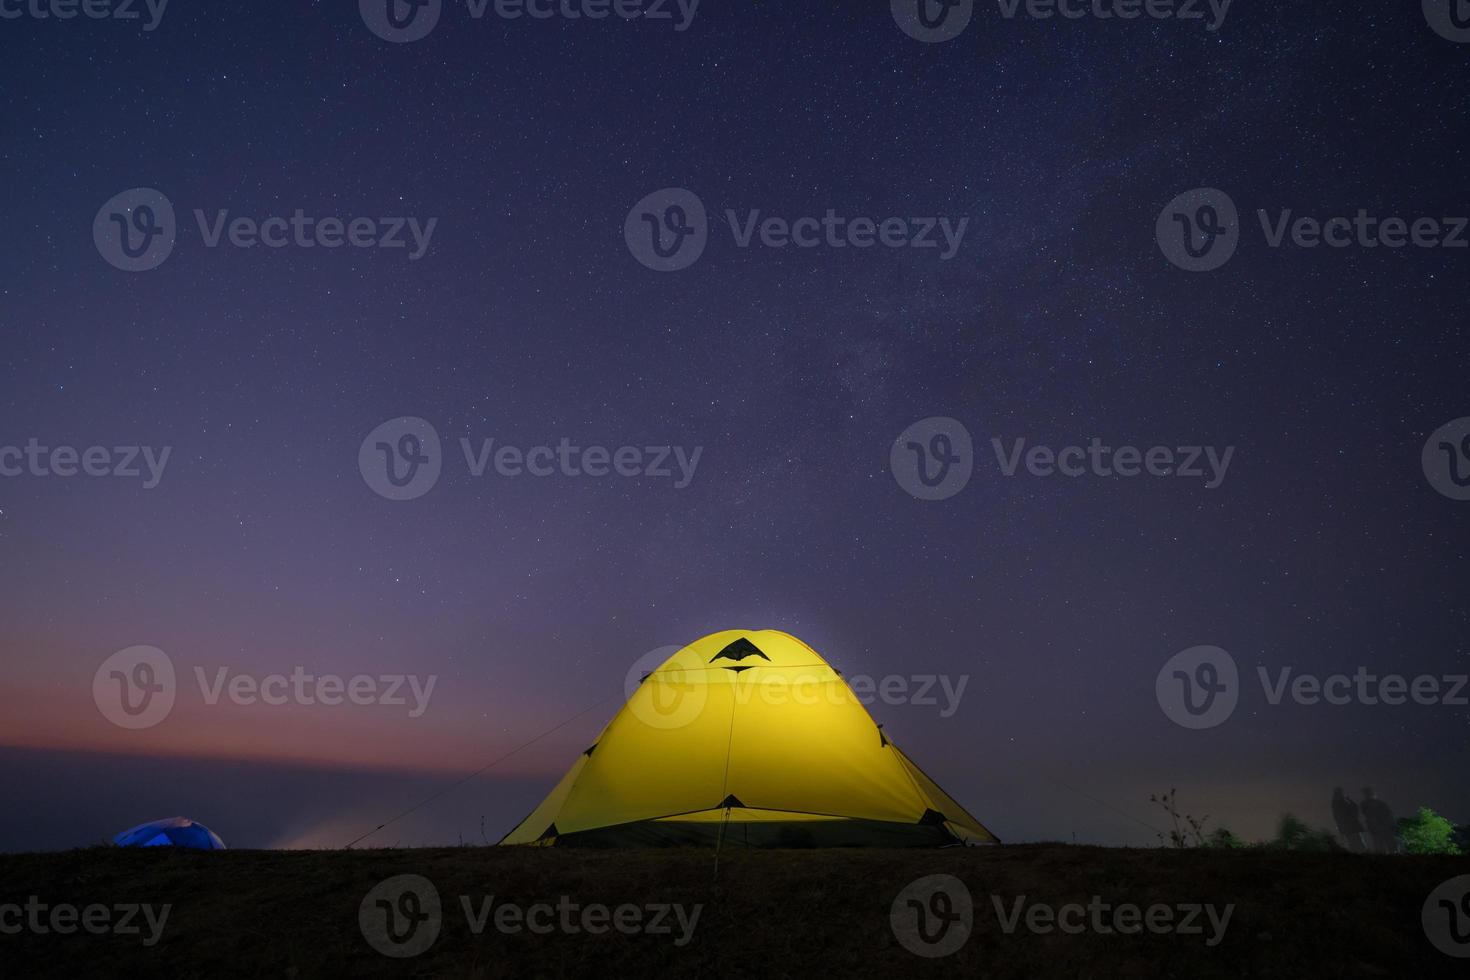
(528, 320)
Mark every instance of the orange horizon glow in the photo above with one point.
(317, 737)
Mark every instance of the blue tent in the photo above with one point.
(172, 832)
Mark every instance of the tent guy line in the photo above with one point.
(480, 771)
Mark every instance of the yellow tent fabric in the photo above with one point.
(746, 737)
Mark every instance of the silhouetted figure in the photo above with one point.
(1345, 812)
(1381, 828)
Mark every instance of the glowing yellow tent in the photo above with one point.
(748, 738)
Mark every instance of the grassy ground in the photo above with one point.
(769, 913)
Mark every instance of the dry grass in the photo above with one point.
(769, 914)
